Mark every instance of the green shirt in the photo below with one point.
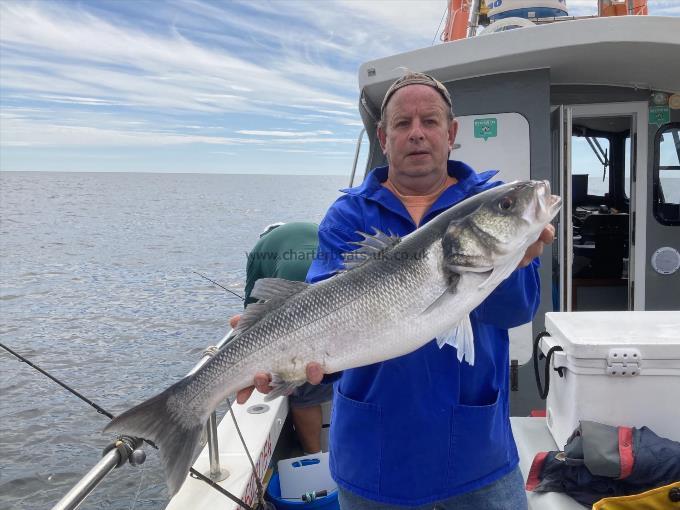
(284, 252)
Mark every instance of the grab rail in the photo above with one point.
(356, 156)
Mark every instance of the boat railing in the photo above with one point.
(126, 449)
(356, 156)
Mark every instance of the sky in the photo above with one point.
(199, 86)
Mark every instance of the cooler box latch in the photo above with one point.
(623, 362)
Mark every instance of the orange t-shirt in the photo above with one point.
(418, 205)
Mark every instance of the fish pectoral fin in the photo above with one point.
(462, 338)
(500, 273)
(440, 304)
(469, 269)
(282, 388)
(370, 247)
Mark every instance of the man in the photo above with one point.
(286, 251)
(424, 430)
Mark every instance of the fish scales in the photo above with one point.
(328, 319)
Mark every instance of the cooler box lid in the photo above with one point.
(655, 335)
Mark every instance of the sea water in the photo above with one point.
(98, 289)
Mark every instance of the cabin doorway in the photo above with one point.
(595, 155)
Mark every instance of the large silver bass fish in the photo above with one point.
(395, 296)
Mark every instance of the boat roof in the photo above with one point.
(627, 51)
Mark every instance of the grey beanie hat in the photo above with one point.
(413, 78)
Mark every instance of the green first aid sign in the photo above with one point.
(659, 115)
(486, 128)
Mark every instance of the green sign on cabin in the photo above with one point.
(659, 115)
(486, 128)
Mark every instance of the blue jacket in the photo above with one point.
(423, 427)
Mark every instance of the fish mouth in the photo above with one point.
(546, 202)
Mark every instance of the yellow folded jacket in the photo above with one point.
(661, 498)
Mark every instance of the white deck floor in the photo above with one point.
(261, 433)
(532, 436)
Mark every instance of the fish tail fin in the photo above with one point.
(176, 432)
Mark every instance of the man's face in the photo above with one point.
(417, 136)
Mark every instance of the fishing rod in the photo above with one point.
(124, 449)
(220, 286)
(99, 409)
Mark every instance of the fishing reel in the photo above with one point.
(129, 449)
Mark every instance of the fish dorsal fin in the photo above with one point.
(276, 288)
(273, 292)
(253, 314)
(370, 247)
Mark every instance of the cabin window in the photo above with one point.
(590, 160)
(667, 175)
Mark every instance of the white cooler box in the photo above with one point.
(620, 368)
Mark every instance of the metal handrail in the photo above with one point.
(89, 482)
(356, 156)
(113, 457)
(217, 474)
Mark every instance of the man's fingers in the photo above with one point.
(314, 373)
(243, 395)
(262, 381)
(233, 322)
(548, 234)
(536, 249)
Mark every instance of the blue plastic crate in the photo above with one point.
(329, 502)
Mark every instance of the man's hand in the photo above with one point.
(262, 380)
(535, 250)
(233, 322)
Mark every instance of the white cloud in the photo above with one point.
(655, 7)
(283, 133)
(354, 123)
(80, 100)
(144, 69)
(21, 132)
(192, 67)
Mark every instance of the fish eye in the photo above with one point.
(506, 203)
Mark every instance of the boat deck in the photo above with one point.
(532, 436)
(261, 432)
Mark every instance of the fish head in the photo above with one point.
(507, 220)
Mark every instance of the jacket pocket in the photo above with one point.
(479, 442)
(355, 439)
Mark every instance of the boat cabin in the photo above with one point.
(592, 105)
